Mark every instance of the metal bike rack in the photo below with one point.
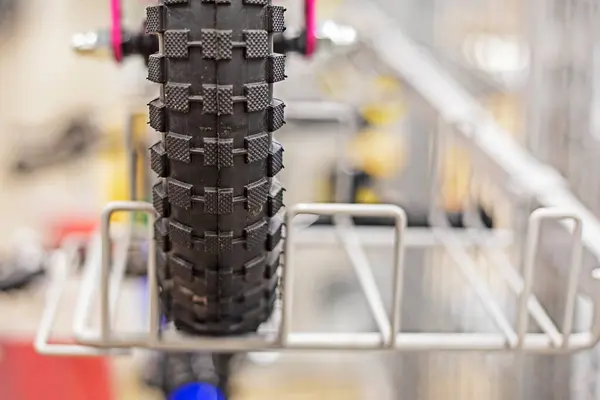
(93, 343)
(390, 335)
(490, 147)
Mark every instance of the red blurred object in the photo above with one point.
(27, 375)
(64, 228)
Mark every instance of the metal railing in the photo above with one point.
(390, 335)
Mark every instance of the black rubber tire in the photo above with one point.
(220, 222)
(168, 372)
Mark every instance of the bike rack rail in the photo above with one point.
(390, 335)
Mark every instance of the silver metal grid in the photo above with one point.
(389, 336)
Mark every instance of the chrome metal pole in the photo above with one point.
(362, 268)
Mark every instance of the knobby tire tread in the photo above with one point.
(219, 228)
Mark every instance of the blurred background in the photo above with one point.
(376, 115)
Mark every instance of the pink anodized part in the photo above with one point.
(310, 21)
(116, 39)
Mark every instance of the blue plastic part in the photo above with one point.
(197, 391)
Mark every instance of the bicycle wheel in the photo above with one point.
(219, 229)
(173, 372)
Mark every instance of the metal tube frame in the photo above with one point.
(390, 336)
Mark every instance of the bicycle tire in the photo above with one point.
(219, 203)
(170, 371)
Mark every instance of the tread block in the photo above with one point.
(217, 44)
(256, 295)
(156, 68)
(272, 286)
(217, 99)
(181, 268)
(177, 96)
(165, 302)
(257, 2)
(273, 263)
(176, 43)
(158, 159)
(225, 153)
(211, 151)
(162, 266)
(222, 282)
(160, 200)
(217, 1)
(257, 43)
(180, 193)
(154, 19)
(178, 147)
(274, 18)
(207, 279)
(275, 115)
(275, 68)
(182, 299)
(275, 233)
(161, 260)
(216, 243)
(253, 271)
(180, 234)
(218, 152)
(176, 1)
(218, 201)
(257, 147)
(235, 285)
(157, 115)
(257, 96)
(256, 195)
(275, 201)
(256, 235)
(275, 164)
(161, 234)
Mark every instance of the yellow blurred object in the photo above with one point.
(326, 8)
(299, 388)
(341, 82)
(365, 195)
(506, 109)
(115, 179)
(334, 80)
(391, 108)
(387, 85)
(116, 163)
(127, 383)
(378, 153)
(384, 113)
(457, 167)
(324, 191)
(455, 177)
